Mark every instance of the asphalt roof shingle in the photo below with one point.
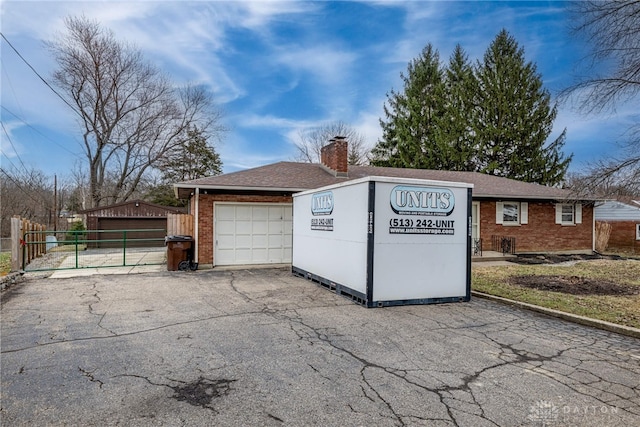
(293, 176)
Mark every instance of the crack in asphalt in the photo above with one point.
(236, 290)
(94, 313)
(126, 334)
(89, 374)
(509, 355)
(569, 366)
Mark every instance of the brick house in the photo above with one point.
(624, 220)
(245, 217)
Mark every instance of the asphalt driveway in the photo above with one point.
(261, 347)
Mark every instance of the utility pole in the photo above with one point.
(55, 203)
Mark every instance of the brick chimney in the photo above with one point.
(335, 155)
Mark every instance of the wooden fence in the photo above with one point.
(35, 242)
(179, 224)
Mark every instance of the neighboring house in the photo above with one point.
(131, 215)
(625, 225)
(246, 217)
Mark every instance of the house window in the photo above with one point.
(637, 231)
(568, 213)
(511, 213)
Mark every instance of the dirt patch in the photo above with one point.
(533, 259)
(573, 285)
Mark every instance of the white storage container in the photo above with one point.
(386, 241)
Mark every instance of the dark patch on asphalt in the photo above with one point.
(202, 391)
(573, 285)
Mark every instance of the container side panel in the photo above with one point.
(421, 242)
(331, 242)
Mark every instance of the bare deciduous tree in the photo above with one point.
(28, 194)
(130, 112)
(612, 29)
(311, 142)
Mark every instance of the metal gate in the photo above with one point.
(63, 250)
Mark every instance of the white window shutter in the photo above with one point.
(578, 213)
(524, 213)
(558, 213)
(499, 216)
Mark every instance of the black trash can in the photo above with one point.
(180, 253)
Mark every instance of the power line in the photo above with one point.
(13, 146)
(9, 160)
(39, 76)
(38, 201)
(42, 134)
(26, 178)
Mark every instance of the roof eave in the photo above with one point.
(539, 197)
(238, 188)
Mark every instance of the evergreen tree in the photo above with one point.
(494, 118)
(409, 131)
(514, 118)
(454, 133)
(193, 158)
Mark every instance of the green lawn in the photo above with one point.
(620, 309)
(5, 263)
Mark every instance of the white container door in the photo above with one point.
(246, 233)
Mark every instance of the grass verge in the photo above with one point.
(5, 263)
(623, 310)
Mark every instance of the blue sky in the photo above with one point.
(280, 68)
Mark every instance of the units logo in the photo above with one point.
(322, 203)
(407, 200)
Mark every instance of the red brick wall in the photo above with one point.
(623, 237)
(541, 234)
(335, 156)
(205, 219)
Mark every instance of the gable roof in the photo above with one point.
(291, 177)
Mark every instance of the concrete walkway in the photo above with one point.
(105, 262)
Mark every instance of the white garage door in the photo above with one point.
(252, 233)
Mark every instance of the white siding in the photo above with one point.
(616, 211)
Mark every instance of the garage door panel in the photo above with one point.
(260, 227)
(226, 242)
(242, 256)
(253, 234)
(275, 227)
(260, 213)
(242, 212)
(276, 212)
(226, 213)
(243, 227)
(260, 242)
(225, 256)
(275, 241)
(259, 256)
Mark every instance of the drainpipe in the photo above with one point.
(195, 225)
